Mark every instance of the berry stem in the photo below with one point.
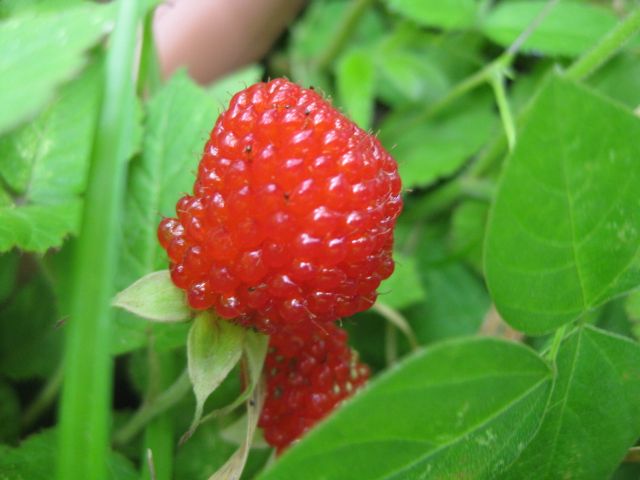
(149, 411)
(397, 320)
(344, 32)
(606, 47)
(86, 396)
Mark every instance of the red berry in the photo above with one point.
(309, 372)
(292, 201)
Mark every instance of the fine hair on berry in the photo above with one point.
(292, 213)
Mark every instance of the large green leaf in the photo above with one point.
(30, 340)
(447, 14)
(570, 28)
(594, 411)
(431, 149)
(355, 82)
(179, 118)
(44, 165)
(36, 458)
(564, 231)
(39, 52)
(462, 409)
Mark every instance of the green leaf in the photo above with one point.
(461, 409)
(213, 349)
(155, 297)
(45, 165)
(179, 118)
(632, 307)
(223, 89)
(618, 78)
(403, 288)
(40, 52)
(30, 342)
(18, 7)
(468, 224)
(594, 411)
(316, 29)
(8, 274)
(456, 305)
(36, 458)
(355, 85)
(432, 149)
(570, 28)
(9, 413)
(407, 76)
(566, 201)
(447, 14)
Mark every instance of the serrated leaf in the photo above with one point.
(355, 77)
(594, 412)
(447, 14)
(232, 469)
(30, 343)
(461, 409)
(179, 118)
(214, 347)
(155, 297)
(428, 150)
(45, 165)
(570, 27)
(39, 52)
(403, 288)
(36, 458)
(566, 201)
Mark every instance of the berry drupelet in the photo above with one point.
(309, 371)
(292, 214)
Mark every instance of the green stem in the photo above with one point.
(344, 32)
(86, 397)
(497, 83)
(149, 411)
(558, 336)
(44, 399)
(606, 47)
(159, 434)
(390, 344)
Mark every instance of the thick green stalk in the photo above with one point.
(606, 47)
(86, 397)
(159, 434)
